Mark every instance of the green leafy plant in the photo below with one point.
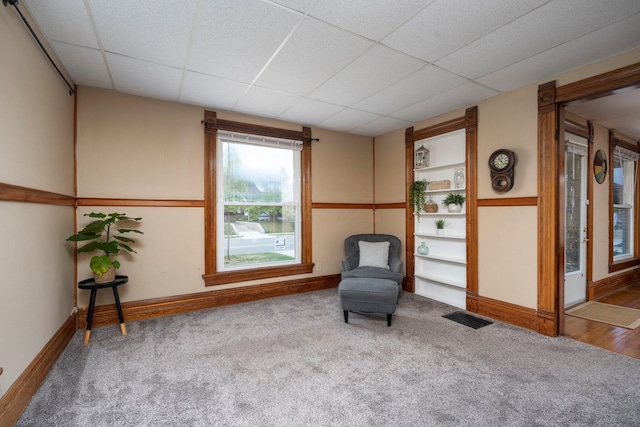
(101, 237)
(417, 195)
(454, 199)
(440, 223)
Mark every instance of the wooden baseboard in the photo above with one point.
(612, 283)
(509, 313)
(157, 307)
(20, 393)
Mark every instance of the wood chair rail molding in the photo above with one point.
(16, 193)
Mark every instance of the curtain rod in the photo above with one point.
(14, 3)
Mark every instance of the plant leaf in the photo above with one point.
(110, 248)
(124, 239)
(129, 230)
(122, 245)
(116, 264)
(82, 237)
(95, 215)
(89, 247)
(100, 264)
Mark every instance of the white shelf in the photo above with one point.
(447, 190)
(443, 280)
(439, 167)
(440, 236)
(443, 213)
(442, 258)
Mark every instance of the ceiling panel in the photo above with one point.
(66, 21)
(380, 126)
(235, 39)
(311, 56)
(201, 89)
(458, 97)
(546, 27)
(159, 81)
(447, 25)
(422, 84)
(370, 18)
(145, 29)
(378, 68)
(348, 119)
(265, 102)
(309, 112)
(87, 66)
(610, 40)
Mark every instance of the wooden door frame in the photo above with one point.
(551, 103)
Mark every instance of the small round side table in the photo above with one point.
(93, 286)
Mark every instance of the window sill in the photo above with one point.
(623, 265)
(223, 278)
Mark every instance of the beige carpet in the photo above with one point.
(606, 313)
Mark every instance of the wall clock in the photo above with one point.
(600, 166)
(502, 166)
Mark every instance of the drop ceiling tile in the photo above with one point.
(424, 83)
(63, 21)
(311, 56)
(369, 18)
(201, 89)
(376, 69)
(348, 119)
(610, 40)
(264, 102)
(298, 5)
(548, 26)
(310, 112)
(236, 41)
(380, 126)
(462, 96)
(160, 81)
(86, 66)
(145, 29)
(447, 25)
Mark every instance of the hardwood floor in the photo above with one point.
(614, 338)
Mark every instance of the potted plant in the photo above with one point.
(440, 223)
(454, 201)
(101, 237)
(417, 196)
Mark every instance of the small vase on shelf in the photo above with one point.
(423, 249)
(458, 178)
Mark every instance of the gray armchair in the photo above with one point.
(351, 263)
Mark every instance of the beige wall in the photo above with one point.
(36, 151)
(156, 151)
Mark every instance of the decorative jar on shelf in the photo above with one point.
(458, 178)
(430, 206)
(423, 249)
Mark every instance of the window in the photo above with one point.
(257, 201)
(259, 207)
(624, 215)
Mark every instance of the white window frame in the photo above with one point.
(269, 142)
(629, 162)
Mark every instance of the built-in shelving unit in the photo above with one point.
(441, 274)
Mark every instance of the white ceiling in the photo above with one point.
(360, 66)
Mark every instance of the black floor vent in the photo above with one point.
(467, 319)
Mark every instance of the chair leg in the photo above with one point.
(389, 319)
(346, 316)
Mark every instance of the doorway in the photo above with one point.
(575, 227)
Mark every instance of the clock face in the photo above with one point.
(501, 161)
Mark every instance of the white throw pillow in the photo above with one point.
(374, 254)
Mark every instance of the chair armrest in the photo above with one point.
(349, 263)
(395, 265)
